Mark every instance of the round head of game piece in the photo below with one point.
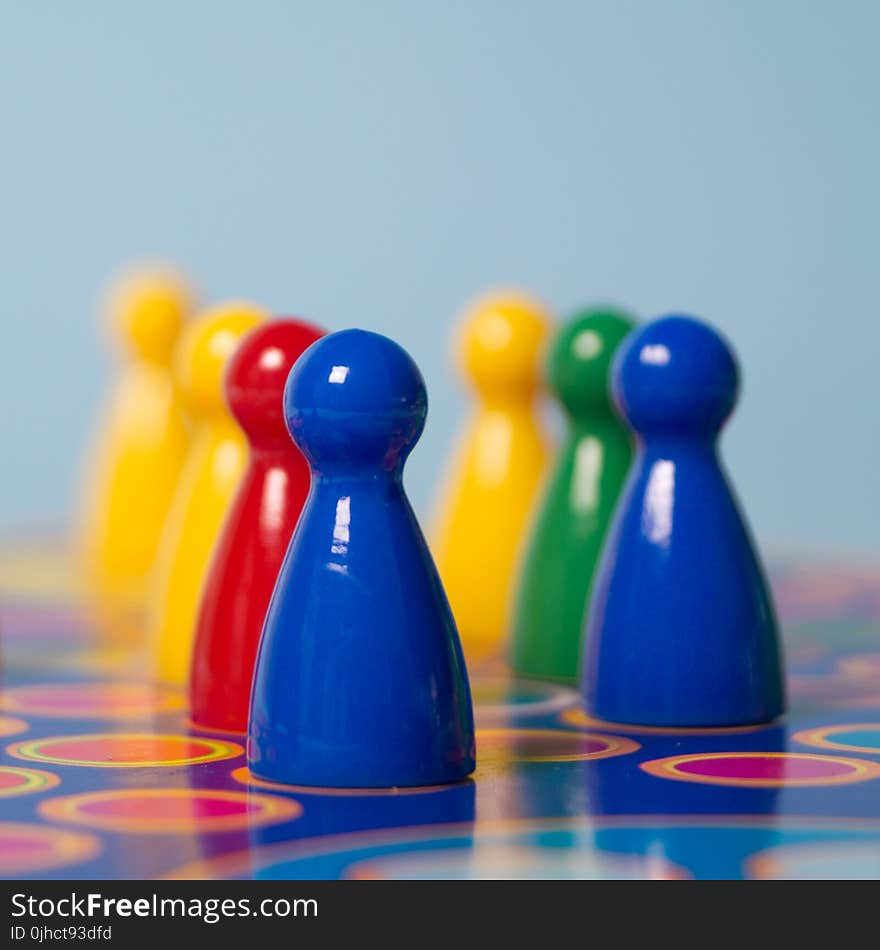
(500, 343)
(146, 310)
(676, 376)
(256, 375)
(355, 401)
(205, 347)
(579, 362)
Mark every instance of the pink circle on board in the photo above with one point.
(167, 809)
(11, 779)
(124, 750)
(170, 810)
(27, 848)
(91, 700)
(762, 769)
(15, 781)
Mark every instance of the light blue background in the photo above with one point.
(378, 163)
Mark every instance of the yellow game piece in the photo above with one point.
(207, 484)
(140, 445)
(483, 516)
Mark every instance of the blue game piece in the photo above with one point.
(360, 679)
(681, 629)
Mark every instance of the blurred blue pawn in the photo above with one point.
(359, 680)
(681, 629)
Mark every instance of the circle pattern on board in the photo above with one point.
(10, 726)
(858, 737)
(762, 769)
(31, 849)
(548, 745)
(91, 700)
(123, 750)
(582, 720)
(642, 846)
(170, 810)
(15, 781)
(500, 700)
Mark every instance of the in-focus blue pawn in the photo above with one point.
(360, 680)
(681, 630)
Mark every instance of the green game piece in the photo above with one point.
(579, 500)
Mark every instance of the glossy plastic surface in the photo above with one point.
(681, 628)
(207, 485)
(578, 502)
(256, 532)
(360, 680)
(140, 444)
(487, 496)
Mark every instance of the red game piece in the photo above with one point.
(258, 528)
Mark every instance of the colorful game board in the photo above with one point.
(103, 777)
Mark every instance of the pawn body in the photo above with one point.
(256, 533)
(140, 445)
(483, 515)
(578, 503)
(359, 680)
(682, 630)
(210, 477)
